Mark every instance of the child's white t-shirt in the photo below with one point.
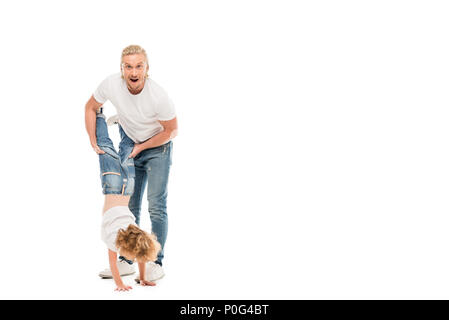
(114, 219)
(138, 114)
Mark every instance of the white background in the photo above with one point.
(311, 161)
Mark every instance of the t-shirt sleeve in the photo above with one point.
(108, 236)
(165, 109)
(102, 92)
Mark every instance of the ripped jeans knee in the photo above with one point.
(116, 177)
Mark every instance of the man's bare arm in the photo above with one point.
(170, 131)
(90, 119)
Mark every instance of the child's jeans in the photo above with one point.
(116, 169)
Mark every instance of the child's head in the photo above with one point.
(134, 243)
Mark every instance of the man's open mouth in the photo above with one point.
(134, 80)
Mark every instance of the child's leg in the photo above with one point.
(102, 133)
(115, 176)
(110, 166)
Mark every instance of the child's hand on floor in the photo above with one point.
(123, 287)
(147, 283)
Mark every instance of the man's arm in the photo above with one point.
(115, 273)
(90, 119)
(170, 131)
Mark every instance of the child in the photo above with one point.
(119, 230)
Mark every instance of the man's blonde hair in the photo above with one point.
(133, 49)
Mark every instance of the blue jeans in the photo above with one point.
(116, 169)
(152, 167)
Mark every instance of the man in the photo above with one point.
(147, 116)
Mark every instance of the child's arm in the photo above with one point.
(142, 271)
(115, 273)
(144, 282)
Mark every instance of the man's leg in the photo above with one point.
(158, 172)
(153, 165)
(125, 148)
(140, 181)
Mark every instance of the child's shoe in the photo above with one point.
(112, 120)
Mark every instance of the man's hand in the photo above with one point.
(97, 149)
(136, 150)
(123, 287)
(170, 131)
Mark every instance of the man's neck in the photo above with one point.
(135, 91)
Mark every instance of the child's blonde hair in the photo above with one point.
(135, 241)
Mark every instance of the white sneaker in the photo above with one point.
(124, 268)
(153, 272)
(112, 120)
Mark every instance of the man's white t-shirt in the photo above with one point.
(138, 114)
(114, 219)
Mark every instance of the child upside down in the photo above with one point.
(119, 230)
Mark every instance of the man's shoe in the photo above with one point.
(153, 272)
(112, 120)
(124, 269)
